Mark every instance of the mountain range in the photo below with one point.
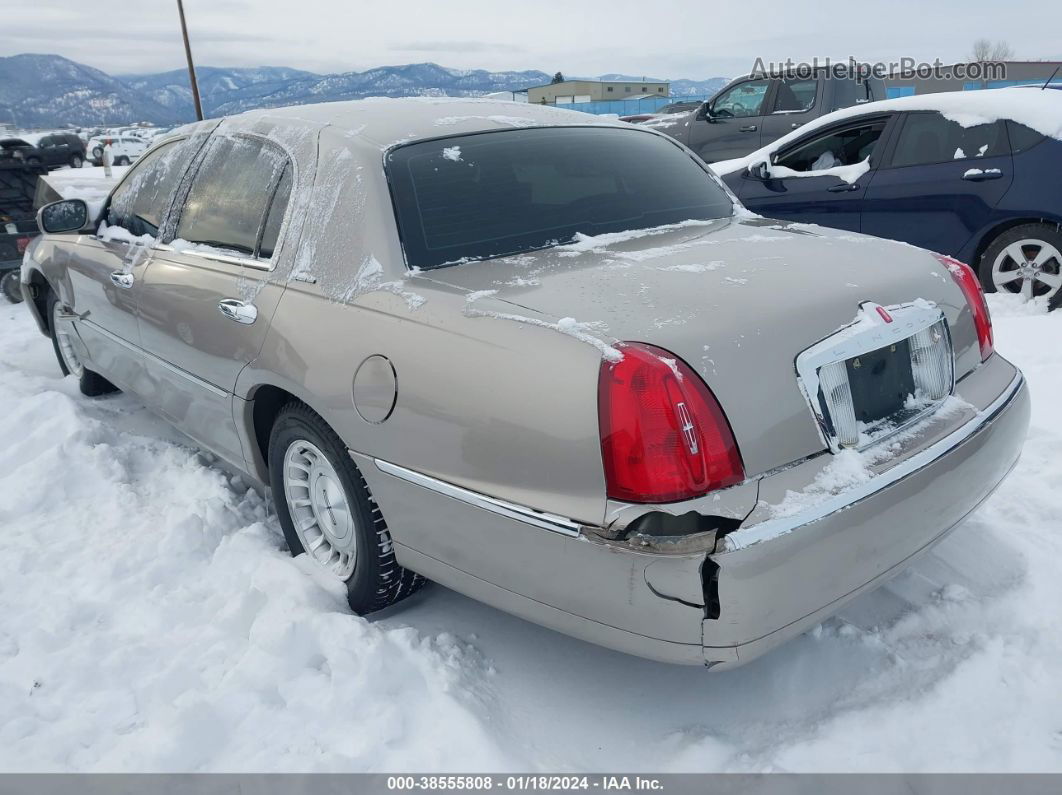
(52, 91)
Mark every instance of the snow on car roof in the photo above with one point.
(1040, 110)
(386, 122)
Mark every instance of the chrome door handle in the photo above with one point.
(122, 279)
(238, 310)
(749, 128)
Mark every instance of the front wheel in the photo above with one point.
(90, 383)
(1025, 260)
(327, 512)
(76, 161)
(121, 160)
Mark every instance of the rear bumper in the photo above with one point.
(779, 577)
(772, 578)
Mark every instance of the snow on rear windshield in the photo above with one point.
(503, 192)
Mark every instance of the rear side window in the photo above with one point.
(1022, 137)
(930, 138)
(275, 217)
(140, 203)
(232, 189)
(498, 193)
(794, 95)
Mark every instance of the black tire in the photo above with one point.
(377, 581)
(9, 286)
(1048, 233)
(121, 160)
(76, 161)
(92, 384)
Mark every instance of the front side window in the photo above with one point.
(794, 96)
(140, 202)
(744, 99)
(492, 194)
(232, 189)
(839, 147)
(930, 138)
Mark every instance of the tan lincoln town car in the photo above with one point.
(545, 360)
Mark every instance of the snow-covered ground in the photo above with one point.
(150, 620)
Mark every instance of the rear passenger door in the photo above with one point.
(207, 297)
(940, 184)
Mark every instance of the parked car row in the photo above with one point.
(752, 111)
(551, 364)
(972, 175)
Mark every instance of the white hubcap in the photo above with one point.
(319, 509)
(1032, 268)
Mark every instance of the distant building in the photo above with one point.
(1018, 73)
(571, 91)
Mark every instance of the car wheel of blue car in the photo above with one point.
(1026, 261)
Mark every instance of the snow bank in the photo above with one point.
(152, 622)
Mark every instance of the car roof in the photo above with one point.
(386, 122)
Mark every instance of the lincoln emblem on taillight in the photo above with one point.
(688, 428)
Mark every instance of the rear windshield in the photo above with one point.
(498, 193)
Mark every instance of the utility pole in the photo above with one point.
(191, 66)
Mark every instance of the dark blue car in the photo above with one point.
(989, 194)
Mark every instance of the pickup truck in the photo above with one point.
(18, 224)
(750, 112)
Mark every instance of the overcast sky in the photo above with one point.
(658, 38)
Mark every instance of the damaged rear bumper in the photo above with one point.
(768, 579)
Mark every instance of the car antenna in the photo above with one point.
(1052, 77)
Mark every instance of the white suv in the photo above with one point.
(124, 149)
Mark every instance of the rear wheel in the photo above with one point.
(1026, 261)
(327, 512)
(121, 160)
(90, 383)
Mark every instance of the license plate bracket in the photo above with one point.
(881, 381)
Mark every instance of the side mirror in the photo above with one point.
(68, 215)
(761, 169)
(704, 113)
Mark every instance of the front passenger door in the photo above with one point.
(815, 179)
(208, 294)
(733, 127)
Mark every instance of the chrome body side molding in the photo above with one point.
(521, 513)
(209, 387)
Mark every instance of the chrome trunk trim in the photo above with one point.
(772, 528)
(521, 513)
(905, 321)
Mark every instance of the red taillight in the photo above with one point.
(968, 282)
(663, 435)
